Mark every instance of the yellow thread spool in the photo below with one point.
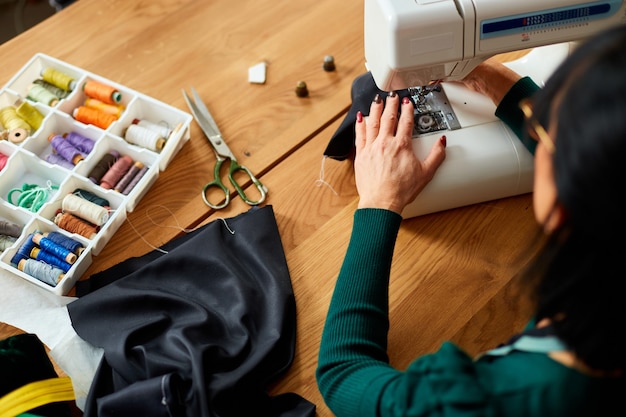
(30, 114)
(10, 120)
(58, 79)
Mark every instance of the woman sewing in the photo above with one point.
(570, 359)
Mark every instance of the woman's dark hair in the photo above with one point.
(579, 274)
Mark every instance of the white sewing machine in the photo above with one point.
(410, 43)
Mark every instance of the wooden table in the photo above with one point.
(451, 277)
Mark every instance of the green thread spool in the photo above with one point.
(59, 92)
(30, 114)
(39, 94)
(58, 78)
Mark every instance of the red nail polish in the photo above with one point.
(406, 100)
(444, 140)
(359, 117)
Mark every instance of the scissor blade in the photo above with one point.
(208, 126)
(205, 111)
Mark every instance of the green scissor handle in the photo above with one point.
(217, 182)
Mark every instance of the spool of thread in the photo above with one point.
(59, 238)
(162, 129)
(58, 92)
(52, 248)
(80, 142)
(23, 251)
(85, 209)
(135, 180)
(39, 94)
(146, 138)
(105, 163)
(11, 120)
(73, 224)
(39, 255)
(89, 196)
(102, 92)
(30, 114)
(3, 160)
(65, 149)
(113, 109)
(10, 228)
(57, 159)
(116, 172)
(90, 116)
(128, 177)
(17, 135)
(45, 273)
(6, 242)
(58, 79)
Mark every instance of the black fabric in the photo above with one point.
(364, 89)
(23, 359)
(199, 331)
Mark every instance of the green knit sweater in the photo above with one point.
(353, 372)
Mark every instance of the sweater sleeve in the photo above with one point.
(509, 112)
(353, 353)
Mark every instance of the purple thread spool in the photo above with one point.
(65, 149)
(135, 180)
(80, 142)
(56, 159)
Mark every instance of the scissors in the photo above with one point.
(222, 153)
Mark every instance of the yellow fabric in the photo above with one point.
(36, 394)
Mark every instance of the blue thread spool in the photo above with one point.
(24, 251)
(72, 245)
(48, 246)
(39, 255)
(45, 273)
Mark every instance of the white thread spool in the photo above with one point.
(161, 128)
(85, 209)
(144, 137)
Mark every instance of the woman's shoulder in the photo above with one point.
(519, 383)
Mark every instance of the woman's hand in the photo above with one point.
(388, 173)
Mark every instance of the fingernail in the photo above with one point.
(406, 100)
(444, 141)
(377, 98)
(392, 94)
(359, 117)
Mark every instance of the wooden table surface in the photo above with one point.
(452, 271)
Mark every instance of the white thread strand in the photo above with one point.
(319, 182)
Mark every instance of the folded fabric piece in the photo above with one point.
(364, 89)
(199, 331)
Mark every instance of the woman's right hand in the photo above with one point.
(388, 173)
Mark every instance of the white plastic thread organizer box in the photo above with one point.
(55, 207)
